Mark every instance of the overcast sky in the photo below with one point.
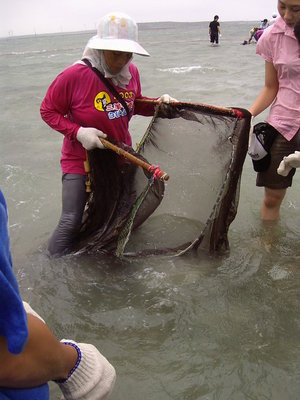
(21, 17)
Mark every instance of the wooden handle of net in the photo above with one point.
(135, 160)
(223, 110)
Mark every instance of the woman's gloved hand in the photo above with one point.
(89, 138)
(92, 378)
(289, 162)
(166, 98)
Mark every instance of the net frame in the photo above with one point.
(213, 236)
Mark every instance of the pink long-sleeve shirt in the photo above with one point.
(78, 98)
(279, 46)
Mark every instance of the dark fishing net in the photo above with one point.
(202, 149)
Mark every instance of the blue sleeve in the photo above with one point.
(37, 393)
(13, 320)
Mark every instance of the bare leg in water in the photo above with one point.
(270, 208)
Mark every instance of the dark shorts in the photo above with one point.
(214, 37)
(280, 148)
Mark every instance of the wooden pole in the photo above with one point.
(135, 160)
(223, 110)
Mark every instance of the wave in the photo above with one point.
(184, 70)
(17, 53)
(40, 51)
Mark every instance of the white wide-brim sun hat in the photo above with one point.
(117, 32)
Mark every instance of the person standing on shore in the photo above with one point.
(214, 30)
(280, 49)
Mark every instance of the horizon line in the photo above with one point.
(11, 34)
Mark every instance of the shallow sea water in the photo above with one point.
(194, 327)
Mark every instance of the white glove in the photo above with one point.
(165, 98)
(93, 378)
(30, 311)
(89, 138)
(289, 162)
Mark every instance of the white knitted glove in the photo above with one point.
(289, 162)
(89, 138)
(165, 98)
(92, 378)
(30, 311)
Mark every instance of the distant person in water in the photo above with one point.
(251, 34)
(255, 33)
(258, 34)
(214, 30)
(264, 24)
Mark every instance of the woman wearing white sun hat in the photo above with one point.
(83, 108)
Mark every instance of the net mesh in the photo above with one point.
(203, 149)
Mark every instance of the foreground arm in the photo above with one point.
(79, 369)
(269, 91)
(44, 358)
(30, 355)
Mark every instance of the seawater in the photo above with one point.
(205, 327)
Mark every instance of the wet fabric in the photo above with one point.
(203, 149)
